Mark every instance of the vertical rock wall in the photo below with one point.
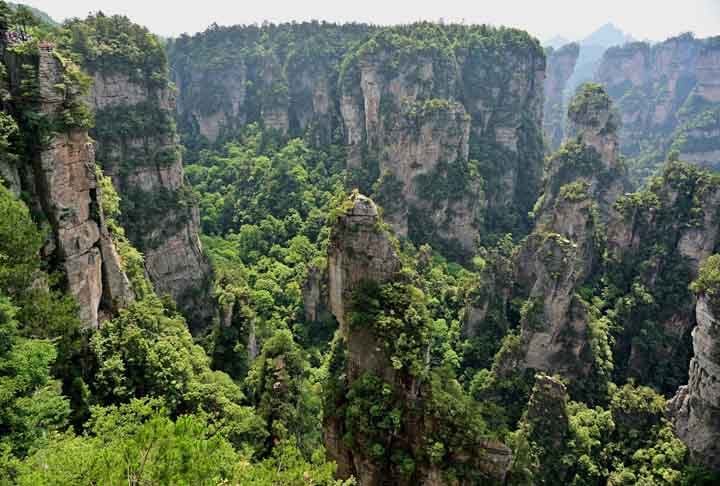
(559, 256)
(560, 66)
(63, 185)
(668, 95)
(696, 407)
(145, 164)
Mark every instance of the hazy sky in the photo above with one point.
(574, 19)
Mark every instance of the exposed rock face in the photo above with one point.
(413, 142)
(463, 116)
(681, 221)
(63, 184)
(290, 90)
(430, 114)
(362, 252)
(413, 152)
(559, 256)
(669, 97)
(560, 66)
(594, 123)
(146, 168)
(696, 407)
(314, 294)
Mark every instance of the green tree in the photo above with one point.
(136, 443)
(31, 403)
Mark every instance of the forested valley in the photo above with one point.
(348, 254)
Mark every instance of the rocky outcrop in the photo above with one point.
(420, 119)
(415, 155)
(668, 95)
(561, 253)
(315, 294)
(696, 407)
(594, 122)
(137, 146)
(560, 66)
(62, 184)
(360, 251)
(663, 233)
(442, 123)
(291, 88)
(362, 255)
(647, 245)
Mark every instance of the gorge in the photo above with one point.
(335, 254)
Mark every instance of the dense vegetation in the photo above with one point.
(663, 116)
(142, 401)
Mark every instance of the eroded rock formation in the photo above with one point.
(448, 136)
(137, 146)
(360, 250)
(559, 256)
(420, 121)
(661, 235)
(362, 255)
(62, 183)
(560, 67)
(668, 95)
(696, 407)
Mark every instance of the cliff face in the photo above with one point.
(696, 407)
(668, 95)
(360, 251)
(369, 369)
(62, 185)
(560, 67)
(657, 240)
(440, 123)
(137, 146)
(634, 253)
(422, 120)
(284, 77)
(562, 252)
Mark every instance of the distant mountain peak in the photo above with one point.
(607, 35)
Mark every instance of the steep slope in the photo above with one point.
(447, 131)
(558, 330)
(608, 270)
(390, 418)
(284, 76)
(560, 66)
(137, 146)
(695, 409)
(668, 96)
(655, 247)
(439, 122)
(51, 161)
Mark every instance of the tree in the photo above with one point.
(24, 19)
(279, 388)
(31, 404)
(134, 444)
(5, 17)
(20, 243)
